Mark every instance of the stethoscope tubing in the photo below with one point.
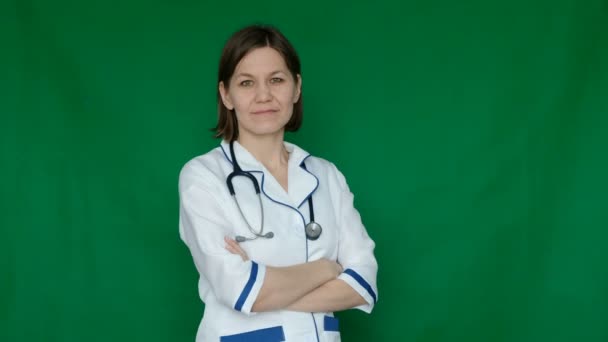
(312, 230)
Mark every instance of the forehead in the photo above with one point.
(261, 60)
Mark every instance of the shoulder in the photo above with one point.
(326, 169)
(203, 169)
(320, 164)
(302, 156)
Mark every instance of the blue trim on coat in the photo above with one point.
(247, 289)
(361, 282)
(274, 334)
(302, 166)
(330, 324)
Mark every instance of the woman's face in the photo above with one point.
(262, 92)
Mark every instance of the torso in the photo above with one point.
(285, 214)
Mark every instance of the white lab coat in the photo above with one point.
(228, 285)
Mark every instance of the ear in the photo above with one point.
(225, 97)
(298, 90)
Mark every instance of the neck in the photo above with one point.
(268, 150)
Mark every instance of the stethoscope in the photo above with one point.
(313, 229)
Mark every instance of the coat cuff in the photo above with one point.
(363, 288)
(251, 289)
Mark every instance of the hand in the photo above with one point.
(233, 247)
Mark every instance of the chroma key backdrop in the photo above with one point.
(474, 135)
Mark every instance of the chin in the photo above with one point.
(261, 132)
(267, 132)
(264, 129)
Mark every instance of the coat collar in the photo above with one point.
(301, 182)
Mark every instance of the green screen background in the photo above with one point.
(473, 134)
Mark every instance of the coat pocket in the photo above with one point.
(274, 334)
(330, 324)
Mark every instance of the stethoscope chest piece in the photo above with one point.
(313, 230)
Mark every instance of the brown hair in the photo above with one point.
(237, 46)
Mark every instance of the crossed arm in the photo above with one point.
(307, 287)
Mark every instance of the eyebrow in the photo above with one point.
(244, 74)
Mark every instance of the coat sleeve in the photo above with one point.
(355, 248)
(203, 225)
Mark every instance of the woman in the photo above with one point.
(273, 265)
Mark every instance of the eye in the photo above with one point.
(246, 83)
(275, 80)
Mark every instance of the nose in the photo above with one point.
(262, 92)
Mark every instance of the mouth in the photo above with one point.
(264, 111)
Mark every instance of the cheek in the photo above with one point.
(287, 95)
(240, 100)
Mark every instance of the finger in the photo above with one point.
(240, 251)
(231, 249)
(236, 245)
(234, 248)
(231, 242)
(236, 251)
